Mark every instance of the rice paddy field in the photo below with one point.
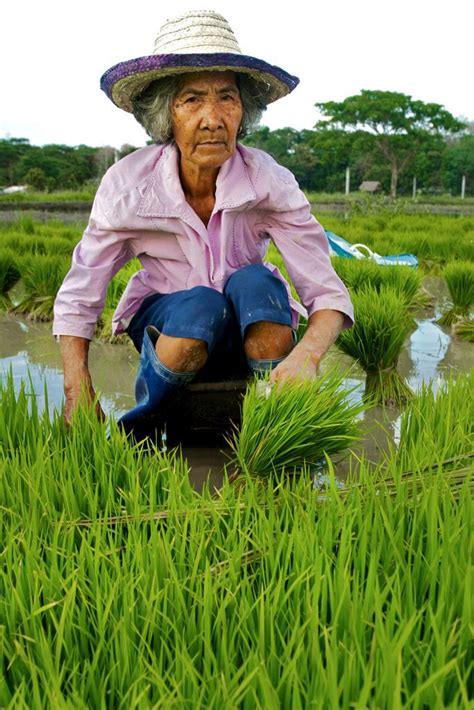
(289, 585)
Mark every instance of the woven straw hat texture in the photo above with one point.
(200, 40)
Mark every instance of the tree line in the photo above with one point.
(379, 135)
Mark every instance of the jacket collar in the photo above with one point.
(164, 196)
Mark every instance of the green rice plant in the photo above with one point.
(9, 275)
(464, 330)
(460, 279)
(404, 280)
(26, 224)
(357, 274)
(285, 426)
(438, 424)
(59, 246)
(121, 587)
(41, 277)
(24, 243)
(376, 340)
(435, 239)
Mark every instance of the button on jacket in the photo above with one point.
(140, 211)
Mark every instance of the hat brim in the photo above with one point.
(125, 81)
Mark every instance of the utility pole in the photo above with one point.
(463, 187)
(348, 180)
(414, 188)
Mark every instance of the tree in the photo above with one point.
(394, 124)
(36, 178)
(458, 160)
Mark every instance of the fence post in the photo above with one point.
(348, 180)
(463, 187)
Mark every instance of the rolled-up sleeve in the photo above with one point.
(304, 247)
(100, 254)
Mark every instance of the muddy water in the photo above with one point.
(29, 351)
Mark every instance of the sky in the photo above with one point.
(53, 53)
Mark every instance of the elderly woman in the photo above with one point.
(198, 209)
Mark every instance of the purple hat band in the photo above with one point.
(124, 81)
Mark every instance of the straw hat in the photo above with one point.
(201, 40)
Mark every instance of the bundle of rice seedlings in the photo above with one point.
(358, 274)
(42, 276)
(376, 340)
(287, 426)
(403, 279)
(464, 330)
(406, 282)
(9, 275)
(460, 279)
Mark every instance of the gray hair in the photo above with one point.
(152, 108)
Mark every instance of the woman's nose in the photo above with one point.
(211, 115)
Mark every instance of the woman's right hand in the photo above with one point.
(80, 394)
(78, 387)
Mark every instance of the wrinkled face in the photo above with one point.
(206, 116)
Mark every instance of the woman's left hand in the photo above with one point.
(299, 365)
(303, 361)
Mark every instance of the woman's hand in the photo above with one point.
(299, 365)
(80, 394)
(78, 387)
(303, 361)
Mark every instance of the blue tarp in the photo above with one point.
(341, 247)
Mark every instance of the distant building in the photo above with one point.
(370, 186)
(14, 188)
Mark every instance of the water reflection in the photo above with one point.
(428, 346)
(30, 352)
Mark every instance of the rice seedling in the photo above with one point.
(24, 243)
(294, 424)
(9, 275)
(464, 330)
(435, 239)
(41, 276)
(439, 424)
(460, 279)
(357, 274)
(266, 597)
(376, 340)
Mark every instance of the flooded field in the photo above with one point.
(29, 351)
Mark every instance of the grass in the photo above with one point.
(460, 279)
(121, 587)
(381, 326)
(286, 427)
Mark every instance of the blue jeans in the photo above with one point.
(251, 294)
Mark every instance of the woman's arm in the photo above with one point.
(78, 387)
(303, 362)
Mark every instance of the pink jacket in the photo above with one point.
(140, 211)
